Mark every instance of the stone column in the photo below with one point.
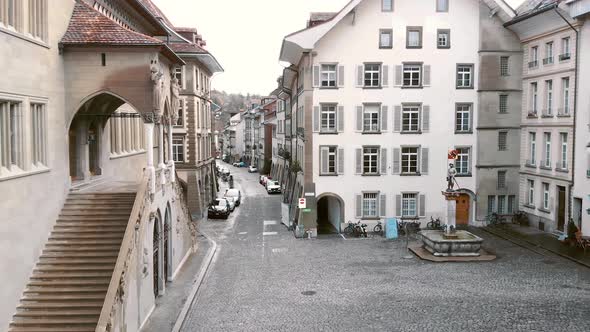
(170, 155)
(451, 214)
(149, 132)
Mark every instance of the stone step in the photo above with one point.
(80, 255)
(85, 229)
(69, 305)
(52, 329)
(94, 218)
(57, 313)
(78, 248)
(99, 224)
(100, 201)
(63, 297)
(97, 213)
(64, 289)
(80, 236)
(76, 268)
(54, 283)
(34, 321)
(100, 196)
(85, 241)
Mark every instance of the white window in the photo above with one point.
(409, 205)
(491, 204)
(372, 75)
(545, 196)
(464, 76)
(503, 108)
(387, 5)
(443, 38)
(504, 66)
(565, 48)
(548, 53)
(370, 160)
(463, 118)
(180, 121)
(11, 135)
(511, 203)
(442, 5)
(178, 149)
(370, 205)
(549, 97)
(410, 160)
(39, 134)
(563, 152)
(411, 118)
(547, 154)
(501, 181)
(531, 192)
(328, 159)
(178, 75)
(532, 148)
(386, 38)
(328, 76)
(534, 57)
(371, 118)
(534, 98)
(328, 118)
(414, 37)
(565, 83)
(412, 75)
(501, 204)
(502, 141)
(462, 164)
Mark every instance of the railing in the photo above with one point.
(533, 64)
(139, 214)
(562, 165)
(548, 61)
(565, 56)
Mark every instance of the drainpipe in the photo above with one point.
(570, 189)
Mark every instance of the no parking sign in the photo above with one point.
(302, 203)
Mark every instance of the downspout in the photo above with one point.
(570, 189)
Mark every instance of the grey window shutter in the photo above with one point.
(359, 118)
(385, 75)
(359, 206)
(426, 80)
(340, 161)
(425, 118)
(340, 118)
(422, 205)
(384, 117)
(383, 161)
(397, 118)
(398, 205)
(396, 161)
(359, 76)
(398, 75)
(316, 119)
(324, 161)
(382, 205)
(424, 163)
(340, 76)
(316, 76)
(359, 161)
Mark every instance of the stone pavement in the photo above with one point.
(263, 279)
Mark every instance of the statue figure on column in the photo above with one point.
(157, 87)
(451, 172)
(175, 87)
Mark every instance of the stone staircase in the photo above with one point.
(68, 285)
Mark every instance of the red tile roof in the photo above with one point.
(89, 27)
(156, 12)
(186, 48)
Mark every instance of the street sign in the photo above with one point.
(302, 203)
(306, 210)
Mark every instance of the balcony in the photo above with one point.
(564, 57)
(533, 64)
(530, 163)
(548, 61)
(532, 114)
(563, 112)
(561, 166)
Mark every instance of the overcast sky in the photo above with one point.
(245, 35)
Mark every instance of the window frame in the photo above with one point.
(563, 150)
(408, 161)
(545, 202)
(534, 102)
(446, 32)
(440, 9)
(367, 206)
(460, 76)
(383, 9)
(418, 118)
(409, 198)
(39, 144)
(328, 72)
(504, 65)
(547, 155)
(503, 146)
(390, 33)
(407, 66)
(530, 192)
(371, 112)
(330, 153)
(372, 73)
(460, 157)
(565, 92)
(417, 29)
(368, 156)
(469, 122)
(532, 146)
(503, 103)
(335, 117)
(501, 179)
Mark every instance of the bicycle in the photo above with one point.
(349, 228)
(434, 224)
(378, 228)
(495, 219)
(520, 218)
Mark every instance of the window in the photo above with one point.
(503, 104)
(370, 160)
(491, 204)
(565, 49)
(531, 192)
(9, 12)
(411, 119)
(37, 18)
(409, 206)
(442, 5)
(502, 141)
(328, 159)
(502, 204)
(545, 196)
(371, 118)
(462, 162)
(178, 75)
(549, 97)
(372, 75)
(387, 5)
(463, 118)
(547, 152)
(465, 76)
(410, 160)
(534, 57)
(501, 180)
(412, 75)
(328, 76)
(178, 149)
(548, 53)
(563, 152)
(511, 203)
(504, 66)
(11, 135)
(39, 135)
(443, 38)
(385, 38)
(328, 118)
(534, 96)
(532, 148)
(565, 83)
(370, 205)
(414, 37)
(180, 121)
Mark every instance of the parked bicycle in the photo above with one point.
(435, 224)
(357, 229)
(378, 229)
(521, 218)
(495, 219)
(411, 226)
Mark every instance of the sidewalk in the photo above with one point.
(537, 238)
(169, 307)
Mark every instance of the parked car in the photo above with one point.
(234, 193)
(223, 170)
(273, 187)
(264, 179)
(232, 203)
(219, 208)
(252, 169)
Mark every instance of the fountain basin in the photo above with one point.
(462, 244)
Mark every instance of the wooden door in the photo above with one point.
(561, 208)
(462, 210)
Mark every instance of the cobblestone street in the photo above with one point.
(260, 280)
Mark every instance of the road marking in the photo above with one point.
(269, 222)
(242, 233)
(279, 250)
(269, 233)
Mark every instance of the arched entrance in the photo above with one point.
(167, 244)
(330, 209)
(156, 253)
(463, 210)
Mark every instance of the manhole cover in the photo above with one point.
(308, 292)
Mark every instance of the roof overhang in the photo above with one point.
(207, 59)
(542, 21)
(164, 49)
(501, 9)
(160, 29)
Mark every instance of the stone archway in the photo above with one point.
(330, 213)
(167, 244)
(157, 278)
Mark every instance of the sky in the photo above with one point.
(245, 35)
